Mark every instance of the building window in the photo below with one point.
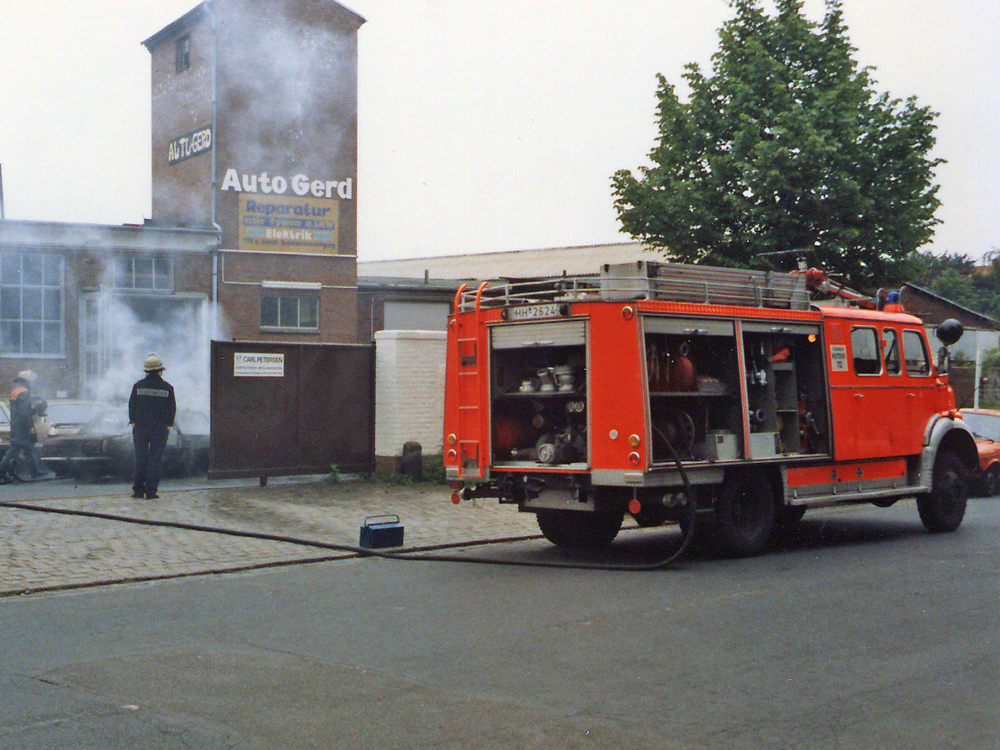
(183, 59)
(143, 274)
(31, 304)
(289, 312)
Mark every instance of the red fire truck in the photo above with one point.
(650, 387)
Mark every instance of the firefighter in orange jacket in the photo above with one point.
(22, 426)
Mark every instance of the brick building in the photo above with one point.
(254, 107)
(253, 233)
(82, 304)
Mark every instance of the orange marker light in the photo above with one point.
(634, 506)
(456, 498)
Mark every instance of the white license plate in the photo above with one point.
(533, 312)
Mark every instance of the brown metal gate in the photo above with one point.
(280, 409)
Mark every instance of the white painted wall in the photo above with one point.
(409, 390)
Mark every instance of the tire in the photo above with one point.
(576, 529)
(943, 508)
(885, 502)
(650, 516)
(990, 482)
(744, 514)
(789, 514)
(180, 465)
(88, 474)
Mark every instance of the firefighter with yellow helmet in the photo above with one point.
(151, 411)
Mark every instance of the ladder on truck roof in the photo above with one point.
(651, 280)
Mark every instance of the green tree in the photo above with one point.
(923, 268)
(955, 287)
(957, 278)
(785, 146)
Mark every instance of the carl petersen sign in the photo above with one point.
(258, 365)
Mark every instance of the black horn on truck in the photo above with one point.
(947, 332)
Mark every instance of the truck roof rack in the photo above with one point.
(651, 280)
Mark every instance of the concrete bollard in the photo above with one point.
(412, 464)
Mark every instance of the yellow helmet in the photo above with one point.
(153, 363)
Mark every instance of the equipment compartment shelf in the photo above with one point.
(540, 394)
(689, 394)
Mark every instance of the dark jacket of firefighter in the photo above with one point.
(22, 425)
(152, 402)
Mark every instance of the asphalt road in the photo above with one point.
(855, 630)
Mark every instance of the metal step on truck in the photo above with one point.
(649, 387)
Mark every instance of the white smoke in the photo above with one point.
(129, 328)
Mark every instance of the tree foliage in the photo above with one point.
(958, 279)
(785, 146)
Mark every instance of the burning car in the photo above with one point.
(51, 418)
(66, 416)
(103, 446)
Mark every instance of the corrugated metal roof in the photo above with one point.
(522, 264)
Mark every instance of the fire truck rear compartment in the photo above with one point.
(539, 410)
(695, 400)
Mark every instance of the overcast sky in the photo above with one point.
(482, 126)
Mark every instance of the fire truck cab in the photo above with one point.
(652, 386)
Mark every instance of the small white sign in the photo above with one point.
(252, 365)
(838, 358)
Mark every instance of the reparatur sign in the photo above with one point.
(287, 224)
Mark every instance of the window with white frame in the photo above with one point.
(31, 304)
(288, 311)
(143, 273)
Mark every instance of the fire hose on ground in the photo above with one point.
(369, 552)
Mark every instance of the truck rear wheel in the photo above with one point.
(744, 514)
(944, 507)
(580, 529)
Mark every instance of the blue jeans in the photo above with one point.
(149, 443)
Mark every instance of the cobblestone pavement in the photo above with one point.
(44, 551)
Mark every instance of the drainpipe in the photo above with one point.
(209, 7)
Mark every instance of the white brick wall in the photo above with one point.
(409, 390)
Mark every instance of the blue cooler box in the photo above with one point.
(381, 531)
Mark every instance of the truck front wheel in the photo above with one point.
(580, 529)
(744, 514)
(944, 507)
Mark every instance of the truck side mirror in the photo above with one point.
(948, 332)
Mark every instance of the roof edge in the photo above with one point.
(193, 15)
(174, 26)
